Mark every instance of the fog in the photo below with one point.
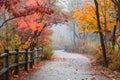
(62, 36)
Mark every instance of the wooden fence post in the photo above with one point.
(36, 55)
(26, 59)
(41, 52)
(31, 58)
(16, 61)
(6, 65)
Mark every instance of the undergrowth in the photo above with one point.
(47, 52)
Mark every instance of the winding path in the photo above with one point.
(66, 66)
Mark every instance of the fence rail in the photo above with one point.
(29, 58)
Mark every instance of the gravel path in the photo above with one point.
(66, 66)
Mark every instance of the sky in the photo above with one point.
(67, 5)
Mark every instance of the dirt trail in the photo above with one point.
(66, 66)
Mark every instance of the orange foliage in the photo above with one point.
(27, 25)
(86, 16)
(44, 38)
(29, 2)
(29, 22)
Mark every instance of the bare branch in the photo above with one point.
(115, 2)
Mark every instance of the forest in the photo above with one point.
(95, 26)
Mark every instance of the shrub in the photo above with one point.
(114, 60)
(47, 52)
(113, 57)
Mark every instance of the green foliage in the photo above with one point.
(12, 39)
(8, 39)
(47, 52)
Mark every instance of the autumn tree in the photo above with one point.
(117, 26)
(100, 33)
(117, 4)
(33, 27)
(87, 18)
(16, 10)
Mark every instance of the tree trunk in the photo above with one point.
(74, 41)
(113, 41)
(105, 23)
(100, 34)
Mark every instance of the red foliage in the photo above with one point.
(12, 7)
(34, 8)
(55, 19)
(8, 4)
(31, 16)
(28, 23)
(17, 9)
(118, 39)
(44, 36)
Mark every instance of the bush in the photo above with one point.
(47, 52)
(80, 47)
(113, 57)
(114, 60)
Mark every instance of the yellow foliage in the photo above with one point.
(26, 45)
(87, 16)
(87, 30)
(80, 30)
(77, 14)
(118, 31)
